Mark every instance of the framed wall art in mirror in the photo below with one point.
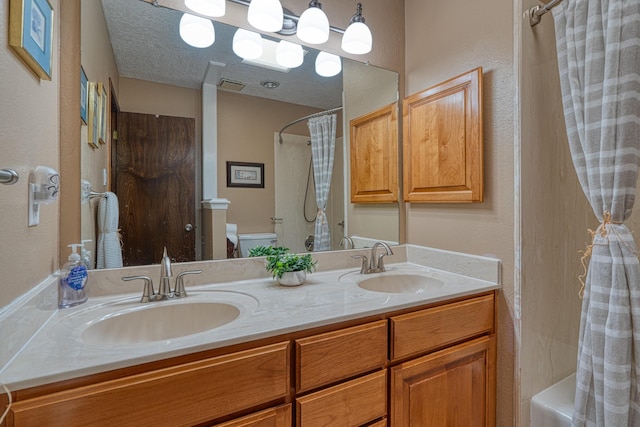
(93, 115)
(83, 95)
(102, 122)
(31, 34)
(243, 174)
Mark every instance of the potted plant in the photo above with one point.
(267, 250)
(290, 269)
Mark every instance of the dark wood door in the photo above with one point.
(155, 180)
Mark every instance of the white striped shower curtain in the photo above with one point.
(598, 43)
(323, 143)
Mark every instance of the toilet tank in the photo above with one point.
(246, 242)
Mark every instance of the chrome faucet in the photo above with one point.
(164, 290)
(374, 264)
(346, 242)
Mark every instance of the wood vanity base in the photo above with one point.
(430, 365)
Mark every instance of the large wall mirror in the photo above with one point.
(229, 111)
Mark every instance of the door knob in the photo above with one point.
(188, 227)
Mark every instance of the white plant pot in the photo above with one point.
(293, 278)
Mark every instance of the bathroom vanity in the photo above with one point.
(340, 355)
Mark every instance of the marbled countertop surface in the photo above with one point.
(56, 348)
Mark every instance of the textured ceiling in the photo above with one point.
(147, 46)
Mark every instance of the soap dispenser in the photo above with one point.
(85, 253)
(72, 281)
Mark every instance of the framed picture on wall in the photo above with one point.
(31, 34)
(84, 95)
(243, 174)
(104, 97)
(93, 115)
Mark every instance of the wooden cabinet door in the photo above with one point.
(442, 154)
(374, 156)
(454, 387)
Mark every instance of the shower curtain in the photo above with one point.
(323, 142)
(598, 43)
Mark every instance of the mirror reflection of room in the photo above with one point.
(166, 165)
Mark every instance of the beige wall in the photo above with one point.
(444, 39)
(29, 113)
(554, 219)
(365, 90)
(99, 64)
(245, 134)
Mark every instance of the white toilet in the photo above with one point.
(247, 242)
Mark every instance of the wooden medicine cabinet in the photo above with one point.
(374, 156)
(442, 142)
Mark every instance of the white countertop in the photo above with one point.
(56, 351)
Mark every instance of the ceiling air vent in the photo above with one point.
(231, 85)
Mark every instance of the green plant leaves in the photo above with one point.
(278, 264)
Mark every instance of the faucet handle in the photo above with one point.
(365, 263)
(180, 292)
(147, 292)
(380, 264)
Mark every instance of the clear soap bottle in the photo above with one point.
(72, 281)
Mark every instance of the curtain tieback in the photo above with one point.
(602, 231)
(320, 214)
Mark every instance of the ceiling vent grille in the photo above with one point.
(231, 85)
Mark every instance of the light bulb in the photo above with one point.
(289, 54)
(357, 39)
(197, 31)
(247, 44)
(328, 64)
(214, 8)
(313, 25)
(265, 15)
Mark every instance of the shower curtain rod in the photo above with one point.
(536, 12)
(310, 116)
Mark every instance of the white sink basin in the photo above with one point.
(401, 283)
(159, 322)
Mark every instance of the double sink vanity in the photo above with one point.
(413, 343)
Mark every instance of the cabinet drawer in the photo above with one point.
(381, 423)
(353, 403)
(326, 358)
(418, 332)
(272, 417)
(205, 390)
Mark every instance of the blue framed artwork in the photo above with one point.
(31, 34)
(84, 95)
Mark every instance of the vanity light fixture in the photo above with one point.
(266, 15)
(197, 31)
(289, 54)
(328, 64)
(357, 37)
(313, 25)
(213, 8)
(247, 44)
